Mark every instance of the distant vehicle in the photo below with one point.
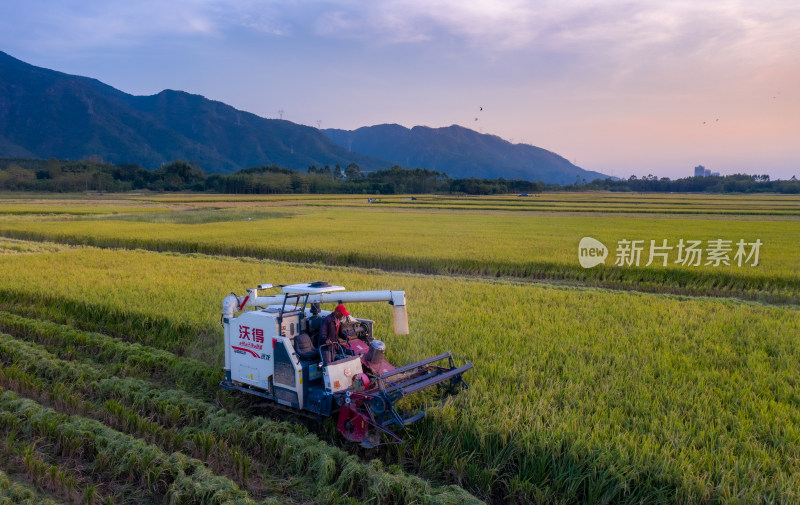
(523, 194)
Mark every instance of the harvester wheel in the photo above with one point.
(378, 405)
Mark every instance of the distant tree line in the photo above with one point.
(95, 175)
(736, 183)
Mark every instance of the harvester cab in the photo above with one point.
(273, 352)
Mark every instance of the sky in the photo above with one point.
(647, 87)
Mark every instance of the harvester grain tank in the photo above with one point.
(272, 351)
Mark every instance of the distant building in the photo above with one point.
(701, 171)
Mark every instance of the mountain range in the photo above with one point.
(50, 114)
(461, 153)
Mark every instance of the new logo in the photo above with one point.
(591, 252)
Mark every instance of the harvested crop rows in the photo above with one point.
(578, 395)
(138, 440)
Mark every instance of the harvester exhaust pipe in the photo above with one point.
(229, 306)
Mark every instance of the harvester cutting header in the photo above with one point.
(286, 350)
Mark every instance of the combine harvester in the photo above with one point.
(272, 352)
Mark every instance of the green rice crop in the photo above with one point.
(598, 202)
(268, 440)
(184, 198)
(17, 493)
(191, 375)
(602, 202)
(577, 396)
(200, 216)
(13, 246)
(50, 476)
(175, 477)
(523, 246)
(54, 207)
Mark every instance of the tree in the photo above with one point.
(352, 172)
(53, 168)
(299, 183)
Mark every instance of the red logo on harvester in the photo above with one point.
(252, 338)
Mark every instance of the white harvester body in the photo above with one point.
(267, 355)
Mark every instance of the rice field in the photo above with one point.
(590, 202)
(13, 246)
(519, 245)
(610, 203)
(96, 419)
(578, 395)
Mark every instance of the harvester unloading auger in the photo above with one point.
(273, 352)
